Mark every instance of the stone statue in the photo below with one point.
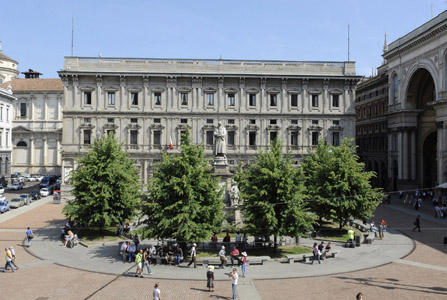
(220, 146)
(234, 194)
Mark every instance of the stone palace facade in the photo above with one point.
(147, 103)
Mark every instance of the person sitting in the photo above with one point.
(235, 256)
(169, 256)
(328, 248)
(322, 250)
(68, 238)
(123, 250)
(374, 229)
(178, 254)
(131, 249)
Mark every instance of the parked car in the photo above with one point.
(3, 181)
(27, 198)
(44, 192)
(38, 177)
(16, 186)
(35, 195)
(59, 180)
(4, 206)
(2, 190)
(16, 202)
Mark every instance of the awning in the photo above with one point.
(442, 186)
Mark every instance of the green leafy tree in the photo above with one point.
(184, 200)
(273, 195)
(105, 185)
(337, 184)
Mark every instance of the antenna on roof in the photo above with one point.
(348, 42)
(72, 33)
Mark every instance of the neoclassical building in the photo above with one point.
(37, 124)
(6, 111)
(416, 65)
(148, 102)
(371, 105)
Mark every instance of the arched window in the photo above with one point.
(22, 144)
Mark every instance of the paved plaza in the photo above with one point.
(404, 265)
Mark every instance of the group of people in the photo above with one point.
(379, 229)
(10, 259)
(227, 239)
(320, 251)
(143, 258)
(240, 258)
(234, 279)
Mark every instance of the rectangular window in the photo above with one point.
(209, 121)
(231, 137)
(184, 98)
(252, 121)
(294, 100)
(111, 98)
(273, 99)
(314, 100)
(335, 100)
(110, 120)
(231, 121)
(87, 137)
(252, 99)
(209, 137)
(134, 137)
(336, 139)
(210, 99)
(134, 120)
(314, 122)
(87, 120)
(110, 131)
(294, 138)
(134, 98)
(183, 121)
(252, 138)
(157, 120)
(88, 98)
(273, 135)
(336, 122)
(273, 122)
(231, 100)
(157, 137)
(157, 98)
(314, 138)
(294, 121)
(23, 109)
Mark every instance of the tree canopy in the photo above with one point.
(105, 185)
(184, 199)
(273, 195)
(337, 184)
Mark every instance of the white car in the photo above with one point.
(2, 190)
(16, 202)
(44, 192)
(16, 186)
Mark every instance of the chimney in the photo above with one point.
(31, 74)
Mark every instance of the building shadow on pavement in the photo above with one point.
(393, 284)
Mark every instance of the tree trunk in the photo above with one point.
(275, 245)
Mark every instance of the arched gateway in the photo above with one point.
(417, 110)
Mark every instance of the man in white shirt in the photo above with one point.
(152, 251)
(234, 276)
(13, 254)
(131, 251)
(238, 237)
(123, 250)
(193, 256)
(222, 257)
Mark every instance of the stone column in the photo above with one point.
(262, 100)
(390, 150)
(284, 96)
(405, 156)
(400, 155)
(441, 139)
(45, 151)
(146, 98)
(122, 93)
(304, 97)
(31, 154)
(100, 103)
(413, 154)
(221, 98)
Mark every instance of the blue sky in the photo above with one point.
(38, 33)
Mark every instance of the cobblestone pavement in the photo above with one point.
(420, 275)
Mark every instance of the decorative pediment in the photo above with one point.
(110, 126)
(157, 90)
(273, 91)
(134, 89)
(20, 129)
(230, 90)
(157, 126)
(315, 128)
(87, 88)
(86, 126)
(183, 126)
(208, 126)
(184, 89)
(294, 127)
(336, 128)
(294, 91)
(273, 127)
(252, 127)
(314, 92)
(231, 127)
(111, 89)
(209, 90)
(133, 126)
(336, 92)
(252, 91)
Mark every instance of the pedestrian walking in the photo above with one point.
(359, 296)
(234, 277)
(316, 254)
(417, 223)
(13, 254)
(244, 264)
(29, 236)
(156, 292)
(147, 261)
(136, 241)
(8, 258)
(223, 259)
(139, 264)
(193, 256)
(210, 279)
(380, 230)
